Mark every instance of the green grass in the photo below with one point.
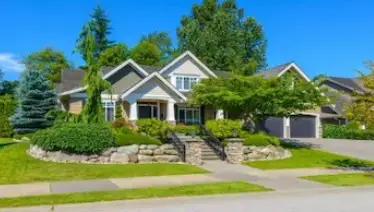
(17, 167)
(128, 194)
(310, 158)
(344, 179)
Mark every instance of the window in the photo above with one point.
(109, 112)
(189, 115)
(185, 82)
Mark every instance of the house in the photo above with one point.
(162, 93)
(341, 90)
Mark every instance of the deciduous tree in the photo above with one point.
(164, 44)
(114, 55)
(51, 62)
(257, 97)
(147, 53)
(221, 36)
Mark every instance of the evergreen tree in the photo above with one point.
(35, 100)
(118, 111)
(93, 109)
(101, 29)
(220, 35)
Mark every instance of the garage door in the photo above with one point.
(273, 126)
(303, 126)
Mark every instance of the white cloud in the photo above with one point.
(10, 63)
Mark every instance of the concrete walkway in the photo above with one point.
(279, 180)
(102, 185)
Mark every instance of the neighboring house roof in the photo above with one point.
(274, 71)
(350, 83)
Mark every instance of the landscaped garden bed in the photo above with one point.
(18, 167)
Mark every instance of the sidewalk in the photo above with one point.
(279, 180)
(46, 188)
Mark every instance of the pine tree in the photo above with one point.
(35, 100)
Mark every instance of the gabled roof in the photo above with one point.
(349, 83)
(279, 70)
(149, 77)
(188, 53)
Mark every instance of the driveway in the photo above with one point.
(355, 148)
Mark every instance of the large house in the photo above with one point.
(162, 93)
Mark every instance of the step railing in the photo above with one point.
(214, 143)
(178, 144)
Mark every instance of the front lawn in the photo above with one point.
(344, 179)
(141, 193)
(310, 158)
(17, 167)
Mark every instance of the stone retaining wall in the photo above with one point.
(257, 153)
(123, 155)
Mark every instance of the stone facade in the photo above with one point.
(234, 150)
(256, 153)
(123, 155)
(193, 151)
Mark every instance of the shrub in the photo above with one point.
(59, 116)
(353, 125)
(123, 139)
(118, 111)
(260, 139)
(186, 129)
(120, 123)
(223, 128)
(153, 127)
(77, 138)
(342, 132)
(7, 107)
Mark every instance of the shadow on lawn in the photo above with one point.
(352, 164)
(295, 144)
(2, 145)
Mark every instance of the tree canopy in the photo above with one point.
(147, 53)
(164, 44)
(257, 96)
(8, 87)
(49, 61)
(100, 26)
(361, 109)
(220, 35)
(114, 55)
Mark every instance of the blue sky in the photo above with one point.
(331, 37)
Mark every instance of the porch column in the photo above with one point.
(133, 111)
(170, 116)
(220, 114)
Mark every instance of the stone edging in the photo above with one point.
(121, 155)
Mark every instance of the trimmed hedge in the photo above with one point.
(186, 129)
(76, 138)
(224, 128)
(260, 139)
(129, 139)
(153, 127)
(342, 132)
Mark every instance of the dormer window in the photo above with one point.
(185, 83)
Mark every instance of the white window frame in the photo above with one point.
(183, 78)
(107, 104)
(186, 108)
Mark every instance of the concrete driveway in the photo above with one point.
(355, 148)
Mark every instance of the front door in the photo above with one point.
(147, 111)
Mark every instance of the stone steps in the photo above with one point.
(207, 153)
